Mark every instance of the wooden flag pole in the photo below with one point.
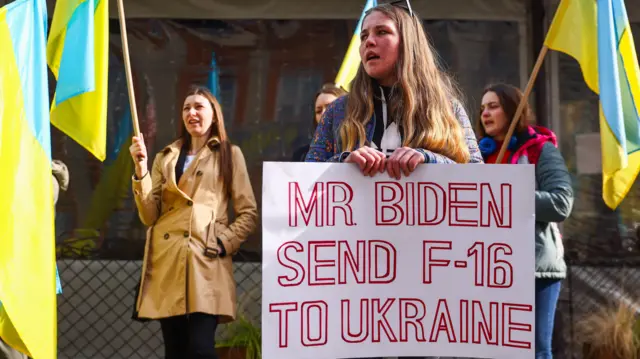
(525, 99)
(127, 67)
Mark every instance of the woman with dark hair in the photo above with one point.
(327, 94)
(187, 275)
(553, 198)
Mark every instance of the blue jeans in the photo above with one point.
(547, 293)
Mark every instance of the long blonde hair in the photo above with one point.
(425, 100)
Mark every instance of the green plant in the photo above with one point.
(243, 333)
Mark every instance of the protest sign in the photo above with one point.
(440, 263)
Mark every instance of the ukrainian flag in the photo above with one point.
(213, 80)
(27, 256)
(77, 54)
(351, 61)
(598, 35)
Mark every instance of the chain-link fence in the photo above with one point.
(95, 308)
(589, 287)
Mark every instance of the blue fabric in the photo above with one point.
(58, 284)
(77, 66)
(122, 135)
(547, 293)
(616, 95)
(325, 146)
(488, 145)
(25, 23)
(213, 81)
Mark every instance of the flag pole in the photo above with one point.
(127, 67)
(523, 101)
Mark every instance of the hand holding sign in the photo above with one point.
(404, 160)
(369, 160)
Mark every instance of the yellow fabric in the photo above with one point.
(27, 261)
(351, 61)
(574, 31)
(350, 64)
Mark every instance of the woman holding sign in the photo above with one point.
(554, 193)
(402, 109)
(187, 276)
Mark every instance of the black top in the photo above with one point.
(181, 159)
(300, 154)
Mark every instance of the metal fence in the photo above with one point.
(95, 308)
(591, 286)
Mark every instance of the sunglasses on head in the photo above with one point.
(404, 4)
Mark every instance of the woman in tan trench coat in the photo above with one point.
(187, 277)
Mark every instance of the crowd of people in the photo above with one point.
(402, 111)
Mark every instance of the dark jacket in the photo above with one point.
(554, 197)
(300, 154)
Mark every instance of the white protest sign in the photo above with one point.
(437, 264)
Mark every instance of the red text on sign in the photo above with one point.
(372, 262)
(429, 204)
(313, 319)
(370, 320)
(375, 320)
(490, 267)
(321, 208)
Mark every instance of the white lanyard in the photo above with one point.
(384, 110)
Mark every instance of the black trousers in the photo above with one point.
(190, 336)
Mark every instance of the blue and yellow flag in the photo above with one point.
(598, 35)
(77, 53)
(213, 81)
(27, 256)
(351, 61)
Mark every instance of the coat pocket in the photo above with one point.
(211, 240)
(557, 238)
